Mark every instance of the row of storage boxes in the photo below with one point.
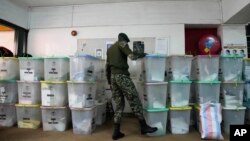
(153, 95)
(179, 119)
(224, 68)
(155, 68)
(230, 94)
(75, 68)
(76, 94)
(84, 120)
(53, 118)
(152, 68)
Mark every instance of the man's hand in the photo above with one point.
(142, 55)
(135, 56)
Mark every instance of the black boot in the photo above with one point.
(145, 128)
(117, 134)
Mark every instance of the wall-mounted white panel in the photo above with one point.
(90, 46)
(233, 34)
(60, 16)
(176, 33)
(233, 38)
(157, 12)
(14, 13)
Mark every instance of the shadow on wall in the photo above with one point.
(4, 52)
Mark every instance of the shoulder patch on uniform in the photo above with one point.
(122, 44)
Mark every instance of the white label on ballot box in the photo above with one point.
(3, 95)
(47, 97)
(26, 94)
(3, 69)
(27, 75)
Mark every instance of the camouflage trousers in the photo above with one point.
(123, 86)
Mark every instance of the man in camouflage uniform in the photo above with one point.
(122, 85)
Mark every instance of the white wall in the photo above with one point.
(130, 13)
(231, 7)
(50, 27)
(13, 13)
(49, 17)
(7, 40)
(58, 41)
(161, 12)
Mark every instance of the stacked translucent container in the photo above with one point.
(82, 92)
(55, 111)
(101, 82)
(8, 90)
(136, 69)
(178, 68)
(246, 97)
(205, 70)
(231, 68)
(232, 89)
(246, 77)
(153, 92)
(29, 92)
(100, 98)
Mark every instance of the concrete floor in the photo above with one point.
(103, 133)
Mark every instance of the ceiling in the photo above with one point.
(35, 3)
(243, 16)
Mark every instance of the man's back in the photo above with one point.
(117, 58)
